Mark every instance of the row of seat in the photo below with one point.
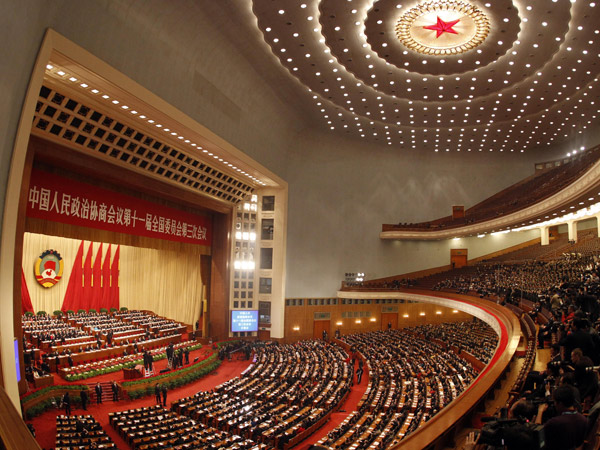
(478, 340)
(287, 390)
(410, 380)
(81, 432)
(156, 428)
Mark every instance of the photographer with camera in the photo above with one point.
(578, 337)
(567, 429)
(582, 374)
(513, 430)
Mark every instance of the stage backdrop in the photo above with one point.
(166, 282)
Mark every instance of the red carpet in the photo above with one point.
(45, 424)
(349, 405)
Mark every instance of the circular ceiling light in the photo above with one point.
(441, 28)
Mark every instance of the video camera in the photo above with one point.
(512, 434)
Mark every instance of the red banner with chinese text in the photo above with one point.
(55, 198)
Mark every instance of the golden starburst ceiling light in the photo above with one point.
(443, 28)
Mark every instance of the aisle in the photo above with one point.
(45, 425)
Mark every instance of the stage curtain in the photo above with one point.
(96, 297)
(85, 301)
(105, 301)
(25, 298)
(170, 281)
(73, 293)
(114, 279)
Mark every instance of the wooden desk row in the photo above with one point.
(109, 352)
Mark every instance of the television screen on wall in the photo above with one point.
(246, 320)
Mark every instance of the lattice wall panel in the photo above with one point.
(95, 132)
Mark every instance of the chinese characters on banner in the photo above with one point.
(59, 199)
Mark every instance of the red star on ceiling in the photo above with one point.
(442, 27)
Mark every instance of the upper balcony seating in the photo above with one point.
(539, 186)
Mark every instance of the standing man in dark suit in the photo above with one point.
(146, 365)
(67, 403)
(170, 354)
(115, 391)
(164, 394)
(150, 361)
(98, 390)
(359, 374)
(157, 392)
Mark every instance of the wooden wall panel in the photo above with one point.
(302, 317)
(389, 318)
(458, 257)
(319, 326)
(218, 295)
(264, 335)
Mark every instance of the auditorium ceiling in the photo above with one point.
(431, 76)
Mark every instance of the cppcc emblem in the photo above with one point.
(48, 268)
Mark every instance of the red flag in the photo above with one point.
(25, 298)
(105, 301)
(97, 280)
(85, 301)
(73, 292)
(114, 277)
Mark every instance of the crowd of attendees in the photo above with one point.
(285, 391)
(289, 390)
(50, 341)
(411, 379)
(475, 337)
(562, 401)
(158, 428)
(386, 285)
(80, 432)
(556, 284)
(45, 328)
